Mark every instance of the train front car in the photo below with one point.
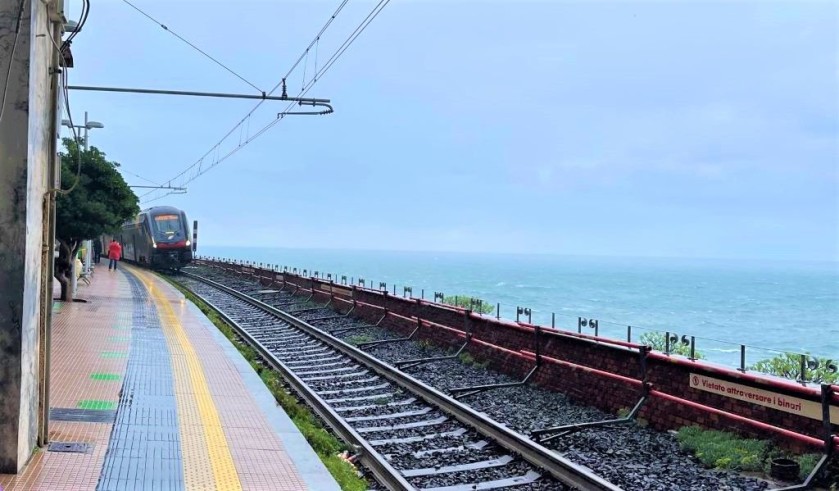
(170, 240)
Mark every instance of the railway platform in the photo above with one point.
(147, 394)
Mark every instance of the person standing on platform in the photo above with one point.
(97, 250)
(114, 253)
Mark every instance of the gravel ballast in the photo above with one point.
(630, 456)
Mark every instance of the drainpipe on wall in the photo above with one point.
(48, 259)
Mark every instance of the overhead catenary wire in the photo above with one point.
(331, 61)
(305, 66)
(140, 177)
(317, 47)
(76, 138)
(338, 52)
(315, 78)
(196, 48)
(348, 42)
(316, 38)
(79, 25)
(65, 83)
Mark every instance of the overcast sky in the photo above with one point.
(706, 129)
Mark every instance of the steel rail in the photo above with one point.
(369, 456)
(560, 468)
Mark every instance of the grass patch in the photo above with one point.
(325, 444)
(344, 473)
(727, 451)
(466, 358)
(358, 339)
(723, 450)
(321, 440)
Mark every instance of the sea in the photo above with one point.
(768, 306)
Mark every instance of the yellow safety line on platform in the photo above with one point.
(207, 426)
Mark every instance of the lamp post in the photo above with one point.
(88, 125)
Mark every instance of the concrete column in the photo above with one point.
(27, 149)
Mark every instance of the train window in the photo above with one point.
(167, 224)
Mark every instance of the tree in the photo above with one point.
(658, 342)
(99, 202)
(788, 365)
(475, 304)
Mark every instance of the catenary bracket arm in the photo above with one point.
(263, 96)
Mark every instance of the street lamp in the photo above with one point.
(88, 125)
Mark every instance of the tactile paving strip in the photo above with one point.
(86, 381)
(203, 438)
(145, 450)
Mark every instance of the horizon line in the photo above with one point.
(535, 253)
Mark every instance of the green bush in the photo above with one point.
(807, 463)
(467, 302)
(658, 342)
(788, 365)
(723, 450)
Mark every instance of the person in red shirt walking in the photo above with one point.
(114, 253)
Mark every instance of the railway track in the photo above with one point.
(409, 435)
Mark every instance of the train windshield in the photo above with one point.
(168, 226)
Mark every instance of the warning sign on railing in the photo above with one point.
(774, 400)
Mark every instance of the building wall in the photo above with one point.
(26, 150)
(40, 156)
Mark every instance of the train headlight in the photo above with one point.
(154, 246)
(188, 242)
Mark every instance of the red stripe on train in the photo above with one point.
(171, 245)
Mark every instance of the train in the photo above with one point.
(158, 238)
